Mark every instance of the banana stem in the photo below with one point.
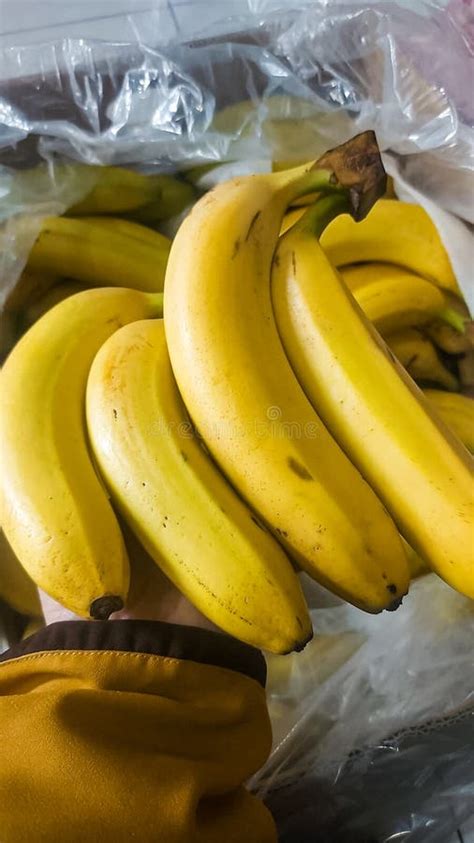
(353, 169)
(156, 300)
(319, 215)
(455, 319)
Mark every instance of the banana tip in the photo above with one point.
(393, 606)
(300, 645)
(101, 608)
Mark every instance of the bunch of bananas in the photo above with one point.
(107, 239)
(259, 425)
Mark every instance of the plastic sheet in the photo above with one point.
(265, 83)
(374, 723)
(252, 82)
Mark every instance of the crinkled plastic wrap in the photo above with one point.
(373, 723)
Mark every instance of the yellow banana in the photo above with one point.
(140, 233)
(28, 288)
(245, 400)
(179, 505)
(56, 294)
(120, 191)
(457, 412)
(174, 198)
(393, 232)
(16, 587)
(417, 565)
(393, 298)
(419, 357)
(417, 467)
(448, 339)
(97, 253)
(53, 507)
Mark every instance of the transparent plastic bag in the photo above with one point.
(250, 82)
(374, 724)
(240, 81)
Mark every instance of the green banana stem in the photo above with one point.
(319, 215)
(310, 181)
(156, 300)
(455, 319)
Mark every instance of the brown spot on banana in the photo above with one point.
(299, 469)
(252, 223)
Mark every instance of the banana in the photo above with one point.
(140, 233)
(174, 198)
(53, 507)
(393, 232)
(466, 371)
(418, 567)
(55, 295)
(420, 470)
(120, 191)
(97, 253)
(393, 298)
(457, 412)
(16, 587)
(178, 504)
(244, 399)
(28, 289)
(419, 357)
(448, 339)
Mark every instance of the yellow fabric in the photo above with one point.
(112, 746)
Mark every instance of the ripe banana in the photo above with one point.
(130, 229)
(419, 357)
(393, 232)
(28, 288)
(178, 504)
(245, 400)
(446, 336)
(417, 565)
(175, 196)
(466, 371)
(393, 298)
(457, 412)
(56, 294)
(96, 252)
(53, 507)
(448, 339)
(16, 587)
(120, 191)
(379, 417)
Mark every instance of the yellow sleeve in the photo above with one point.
(131, 731)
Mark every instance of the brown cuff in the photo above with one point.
(153, 637)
